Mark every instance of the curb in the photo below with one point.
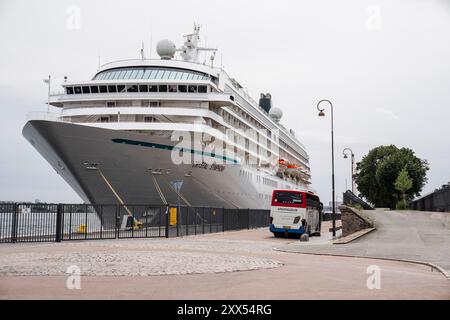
(349, 238)
(444, 272)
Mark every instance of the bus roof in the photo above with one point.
(290, 190)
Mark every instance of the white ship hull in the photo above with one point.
(128, 169)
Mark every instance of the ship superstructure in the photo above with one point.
(121, 136)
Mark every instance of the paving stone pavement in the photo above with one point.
(137, 257)
(129, 264)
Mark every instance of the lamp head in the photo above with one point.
(321, 113)
(345, 156)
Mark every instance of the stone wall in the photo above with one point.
(353, 220)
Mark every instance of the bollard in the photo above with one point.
(14, 223)
(167, 221)
(58, 231)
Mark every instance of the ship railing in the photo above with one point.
(43, 115)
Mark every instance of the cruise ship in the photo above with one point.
(161, 131)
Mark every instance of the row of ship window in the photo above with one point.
(136, 88)
(104, 119)
(150, 74)
(263, 196)
(266, 181)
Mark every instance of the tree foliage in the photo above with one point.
(403, 184)
(379, 169)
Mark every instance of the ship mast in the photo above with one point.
(190, 49)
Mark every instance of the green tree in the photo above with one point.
(379, 169)
(403, 184)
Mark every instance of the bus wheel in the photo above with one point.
(278, 234)
(304, 237)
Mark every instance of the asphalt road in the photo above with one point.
(407, 235)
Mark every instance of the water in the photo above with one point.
(44, 223)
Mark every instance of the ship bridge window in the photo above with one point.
(172, 75)
(132, 88)
(134, 74)
(151, 73)
(159, 74)
(147, 74)
(139, 74)
(127, 75)
(122, 88)
(115, 75)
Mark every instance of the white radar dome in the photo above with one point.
(276, 114)
(166, 49)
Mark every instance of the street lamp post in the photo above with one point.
(353, 164)
(322, 114)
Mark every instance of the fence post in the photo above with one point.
(117, 221)
(167, 221)
(203, 220)
(59, 212)
(14, 223)
(223, 219)
(248, 219)
(187, 222)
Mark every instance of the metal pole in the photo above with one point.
(167, 221)
(14, 223)
(58, 233)
(321, 113)
(353, 166)
(332, 174)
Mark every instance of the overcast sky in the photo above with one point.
(384, 64)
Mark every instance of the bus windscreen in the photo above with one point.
(285, 197)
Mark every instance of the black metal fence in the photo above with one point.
(350, 199)
(328, 216)
(64, 222)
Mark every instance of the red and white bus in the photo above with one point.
(295, 212)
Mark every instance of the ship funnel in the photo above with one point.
(265, 102)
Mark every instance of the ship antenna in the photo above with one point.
(213, 56)
(151, 40)
(142, 52)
